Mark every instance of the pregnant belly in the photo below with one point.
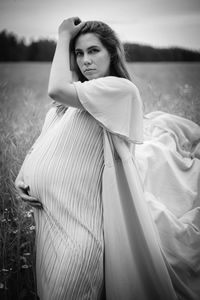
(32, 174)
(39, 174)
(51, 176)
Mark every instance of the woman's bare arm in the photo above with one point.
(60, 86)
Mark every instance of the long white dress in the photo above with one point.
(136, 222)
(64, 172)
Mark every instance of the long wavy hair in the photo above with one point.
(113, 45)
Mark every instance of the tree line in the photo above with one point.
(15, 49)
(135, 52)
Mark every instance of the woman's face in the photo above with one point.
(92, 57)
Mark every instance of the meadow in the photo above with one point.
(170, 87)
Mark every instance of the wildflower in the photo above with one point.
(24, 266)
(32, 228)
(27, 253)
(29, 214)
(4, 270)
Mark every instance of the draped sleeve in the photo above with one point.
(115, 103)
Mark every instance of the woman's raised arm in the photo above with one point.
(60, 86)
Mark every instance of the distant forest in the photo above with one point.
(15, 49)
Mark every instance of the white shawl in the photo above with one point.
(138, 262)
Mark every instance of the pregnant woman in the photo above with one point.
(95, 225)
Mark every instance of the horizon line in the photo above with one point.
(30, 40)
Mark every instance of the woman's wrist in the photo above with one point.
(63, 42)
(64, 36)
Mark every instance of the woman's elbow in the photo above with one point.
(66, 96)
(53, 92)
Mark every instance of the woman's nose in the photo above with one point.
(86, 59)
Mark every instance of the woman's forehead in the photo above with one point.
(87, 40)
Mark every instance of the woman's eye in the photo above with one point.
(94, 50)
(78, 54)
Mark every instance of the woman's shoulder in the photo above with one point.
(114, 82)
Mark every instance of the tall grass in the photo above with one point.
(24, 103)
(23, 106)
(170, 87)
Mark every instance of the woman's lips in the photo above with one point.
(89, 70)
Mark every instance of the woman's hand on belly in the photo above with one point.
(22, 190)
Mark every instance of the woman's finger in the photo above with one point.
(21, 185)
(35, 204)
(77, 20)
(78, 23)
(29, 199)
(23, 192)
(32, 201)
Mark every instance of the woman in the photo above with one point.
(82, 179)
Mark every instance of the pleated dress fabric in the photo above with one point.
(64, 172)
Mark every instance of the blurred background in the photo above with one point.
(154, 22)
(162, 44)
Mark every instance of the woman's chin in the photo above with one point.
(92, 76)
(95, 76)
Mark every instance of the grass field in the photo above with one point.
(171, 87)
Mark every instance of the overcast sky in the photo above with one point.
(159, 23)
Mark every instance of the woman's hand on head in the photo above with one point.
(70, 27)
(23, 192)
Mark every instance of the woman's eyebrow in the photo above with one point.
(77, 50)
(93, 46)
